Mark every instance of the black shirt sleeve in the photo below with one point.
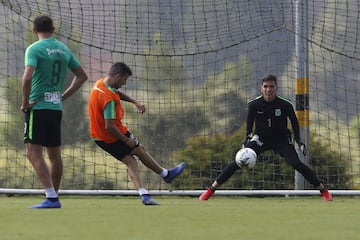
(250, 119)
(294, 123)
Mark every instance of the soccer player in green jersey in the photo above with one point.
(46, 63)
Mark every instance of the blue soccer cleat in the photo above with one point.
(174, 172)
(148, 200)
(48, 204)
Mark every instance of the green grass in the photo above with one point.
(185, 218)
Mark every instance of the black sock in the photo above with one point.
(323, 189)
(213, 189)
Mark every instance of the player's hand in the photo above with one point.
(25, 107)
(140, 107)
(132, 141)
(245, 141)
(302, 147)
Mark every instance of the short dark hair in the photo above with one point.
(269, 77)
(120, 68)
(43, 23)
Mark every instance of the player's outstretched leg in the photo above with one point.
(174, 172)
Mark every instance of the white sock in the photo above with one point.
(50, 193)
(142, 191)
(164, 172)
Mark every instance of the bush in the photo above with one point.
(206, 156)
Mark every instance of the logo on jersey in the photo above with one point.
(277, 112)
(98, 89)
(53, 97)
(55, 51)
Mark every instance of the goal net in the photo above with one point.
(196, 64)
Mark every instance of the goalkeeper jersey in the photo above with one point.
(271, 119)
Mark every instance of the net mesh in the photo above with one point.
(196, 64)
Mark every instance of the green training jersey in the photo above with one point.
(51, 60)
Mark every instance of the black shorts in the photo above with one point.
(286, 149)
(43, 127)
(279, 145)
(118, 149)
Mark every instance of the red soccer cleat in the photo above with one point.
(206, 195)
(326, 195)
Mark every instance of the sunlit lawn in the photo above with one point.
(185, 218)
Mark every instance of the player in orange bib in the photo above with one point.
(109, 133)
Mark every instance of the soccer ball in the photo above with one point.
(246, 157)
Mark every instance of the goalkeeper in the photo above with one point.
(110, 134)
(270, 113)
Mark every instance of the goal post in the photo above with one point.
(187, 193)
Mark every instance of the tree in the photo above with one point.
(355, 127)
(163, 71)
(74, 128)
(225, 96)
(13, 131)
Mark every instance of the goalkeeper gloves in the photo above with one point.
(245, 141)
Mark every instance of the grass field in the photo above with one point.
(185, 218)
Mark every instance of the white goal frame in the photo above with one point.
(193, 193)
